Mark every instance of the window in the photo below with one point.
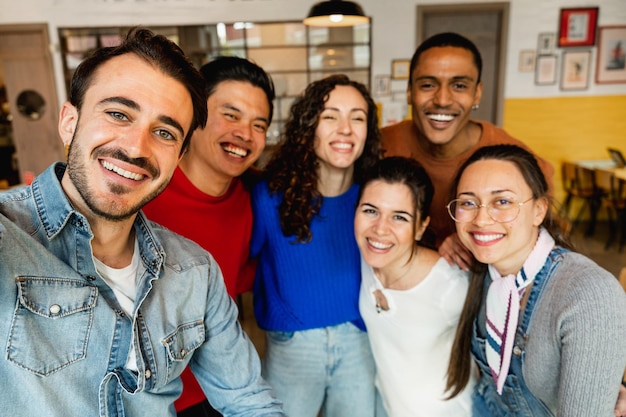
(292, 53)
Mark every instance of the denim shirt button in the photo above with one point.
(182, 352)
(54, 309)
(147, 374)
(517, 351)
(91, 278)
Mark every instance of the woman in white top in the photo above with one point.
(410, 298)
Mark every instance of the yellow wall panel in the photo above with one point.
(568, 128)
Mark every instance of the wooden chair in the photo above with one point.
(614, 200)
(579, 183)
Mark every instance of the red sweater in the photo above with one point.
(221, 225)
(401, 140)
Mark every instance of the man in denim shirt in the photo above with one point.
(100, 309)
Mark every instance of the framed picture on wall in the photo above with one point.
(382, 85)
(545, 70)
(611, 55)
(400, 69)
(527, 61)
(577, 26)
(575, 70)
(545, 43)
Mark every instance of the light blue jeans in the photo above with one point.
(329, 369)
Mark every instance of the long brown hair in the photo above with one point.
(292, 170)
(460, 358)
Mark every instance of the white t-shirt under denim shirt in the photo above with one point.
(123, 282)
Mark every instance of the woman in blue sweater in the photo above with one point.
(307, 286)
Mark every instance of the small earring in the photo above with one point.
(475, 107)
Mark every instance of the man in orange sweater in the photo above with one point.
(444, 87)
(208, 199)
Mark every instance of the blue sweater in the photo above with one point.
(302, 286)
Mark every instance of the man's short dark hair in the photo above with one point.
(444, 39)
(232, 68)
(158, 51)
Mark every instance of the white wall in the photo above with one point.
(393, 30)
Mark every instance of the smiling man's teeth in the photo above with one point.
(122, 172)
(441, 117)
(379, 245)
(235, 151)
(488, 238)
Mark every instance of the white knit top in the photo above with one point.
(411, 341)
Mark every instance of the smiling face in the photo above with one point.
(125, 140)
(504, 245)
(342, 129)
(443, 90)
(234, 136)
(387, 225)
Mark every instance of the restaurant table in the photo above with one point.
(620, 173)
(596, 163)
(607, 164)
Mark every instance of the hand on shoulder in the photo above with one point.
(453, 251)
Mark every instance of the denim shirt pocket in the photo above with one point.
(181, 344)
(51, 323)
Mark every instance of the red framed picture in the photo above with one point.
(577, 26)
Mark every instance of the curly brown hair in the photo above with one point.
(293, 168)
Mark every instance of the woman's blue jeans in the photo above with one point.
(329, 369)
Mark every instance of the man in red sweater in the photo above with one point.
(208, 199)
(444, 87)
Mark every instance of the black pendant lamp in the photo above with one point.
(336, 13)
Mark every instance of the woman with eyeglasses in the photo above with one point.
(411, 298)
(545, 325)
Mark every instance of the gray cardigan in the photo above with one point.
(576, 351)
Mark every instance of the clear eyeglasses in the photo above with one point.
(501, 210)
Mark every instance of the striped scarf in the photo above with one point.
(503, 305)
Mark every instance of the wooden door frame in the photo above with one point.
(43, 29)
(499, 7)
(44, 56)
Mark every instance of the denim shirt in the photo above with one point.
(66, 339)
